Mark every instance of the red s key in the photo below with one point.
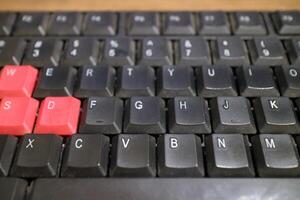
(17, 115)
(17, 81)
(58, 115)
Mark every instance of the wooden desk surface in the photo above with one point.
(123, 5)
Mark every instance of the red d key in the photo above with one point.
(17, 115)
(58, 115)
(17, 81)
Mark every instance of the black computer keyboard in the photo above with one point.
(146, 105)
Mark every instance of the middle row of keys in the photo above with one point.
(172, 81)
(61, 115)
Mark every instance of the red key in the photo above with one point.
(17, 115)
(17, 81)
(58, 115)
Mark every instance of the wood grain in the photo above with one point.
(159, 5)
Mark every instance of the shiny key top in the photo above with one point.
(100, 23)
(232, 115)
(144, 115)
(217, 80)
(287, 22)
(213, 23)
(230, 51)
(68, 23)
(119, 51)
(172, 156)
(188, 115)
(81, 52)
(58, 115)
(143, 23)
(17, 81)
(133, 155)
(86, 155)
(248, 23)
(55, 81)
(156, 52)
(228, 155)
(256, 81)
(31, 24)
(101, 115)
(179, 23)
(192, 51)
(276, 155)
(276, 115)
(37, 156)
(17, 115)
(43, 52)
(11, 51)
(267, 51)
(6, 23)
(7, 150)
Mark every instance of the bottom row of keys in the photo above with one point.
(90, 155)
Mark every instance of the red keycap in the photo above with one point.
(17, 115)
(58, 115)
(17, 81)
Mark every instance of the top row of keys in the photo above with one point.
(147, 23)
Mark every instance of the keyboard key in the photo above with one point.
(175, 81)
(248, 23)
(31, 24)
(13, 188)
(143, 23)
(288, 80)
(7, 21)
(86, 155)
(214, 23)
(275, 115)
(119, 52)
(95, 81)
(228, 155)
(293, 49)
(156, 52)
(256, 81)
(81, 52)
(11, 51)
(230, 51)
(276, 155)
(179, 23)
(17, 81)
(55, 81)
(267, 51)
(65, 24)
(133, 155)
(135, 80)
(192, 51)
(172, 156)
(213, 81)
(165, 188)
(17, 115)
(188, 115)
(43, 53)
(7, 148)
(287, 22)
(37, 156)
(58, 115)
(144, 115)
(101, 115)
(100, 23)
(232, 115)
